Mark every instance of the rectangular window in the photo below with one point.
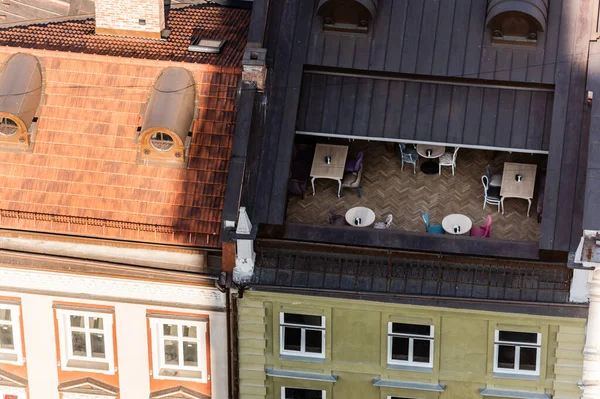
(302, 335)
(517, 352)
(10, 335)
(86, 340)
(410, 344)
(297, 393)
(179, 349)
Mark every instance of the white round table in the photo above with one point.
(430, 167)
(366, 215)
(457, 220)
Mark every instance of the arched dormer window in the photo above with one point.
(167, 119)
(516, 21)
(354, 16)
(20, 97)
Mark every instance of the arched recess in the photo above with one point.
(517, 20)
(168, 117)
(21, 88)
(348, 15)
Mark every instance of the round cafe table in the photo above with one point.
(457, 220)
(430, 167)
(366, 215)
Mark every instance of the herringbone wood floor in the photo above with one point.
(387, 189)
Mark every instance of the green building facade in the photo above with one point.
(387, 350)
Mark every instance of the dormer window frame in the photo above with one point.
(516, 23)
(363, 12)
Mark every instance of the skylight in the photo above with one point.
(202, 45)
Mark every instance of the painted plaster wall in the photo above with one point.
(356, 349)
(133, 360)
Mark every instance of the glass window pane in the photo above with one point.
(78, 343)
(302, 319)
(412, 329)
(528, 359)
(189, 331)
(400, 348)
(314, 341)
(295, 393)
(506, 357)
(6, 337)
(530, 338)
(77, 321)
(171, 352)
(97, 323)
(5, 314)
(421, 349)
(170, 330)
(190, 354)
(97, 343)
(292, 338)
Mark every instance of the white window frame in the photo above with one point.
(158, 352)
(66, 348)
(308, 389)
(411, 338)
(15, 323)
(303, 327)
(518, 346)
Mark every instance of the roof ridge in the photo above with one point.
(44, 21)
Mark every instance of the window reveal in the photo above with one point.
(302, 335)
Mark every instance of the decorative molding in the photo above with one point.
(111, 288)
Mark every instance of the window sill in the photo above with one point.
(302, 358)
(181, 375)
(516, 376)
(415, 369)
(10, 358)
(86, 365)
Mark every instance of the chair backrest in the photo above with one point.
(488, 226)
(359, 160)
(402, 147)
(332, 215)
(426, 219)
(388, 220)
(486, 184)
(454, 155)
(488, 171)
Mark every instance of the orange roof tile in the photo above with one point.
(82, 177)
(207, 20)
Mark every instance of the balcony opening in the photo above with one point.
(379, 187)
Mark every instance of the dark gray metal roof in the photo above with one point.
(408, 109)
(410, 274)
(172, 102)
(21, 87)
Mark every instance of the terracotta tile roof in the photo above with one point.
(209, 21)
(82, 177)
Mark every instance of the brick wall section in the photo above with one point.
(124, 15)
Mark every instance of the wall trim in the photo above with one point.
(408, 385)
(299, 375)
(112, 289)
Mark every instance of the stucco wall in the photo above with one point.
(356, 349)
(131, 329)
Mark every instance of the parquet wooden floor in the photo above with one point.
(388, 189)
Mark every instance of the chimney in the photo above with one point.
(138, 18)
